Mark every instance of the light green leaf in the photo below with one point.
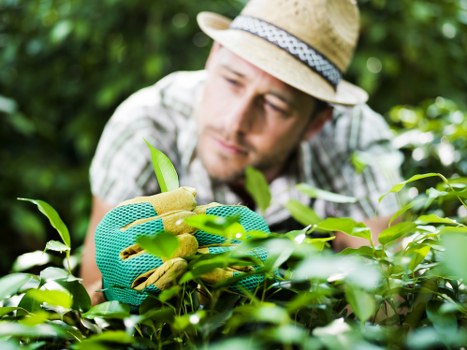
(56, 246)
(162, 245)
(15, 329)
(346, 225)
(394, 232)
(302, 213)
(35, 318)
(434, 219)
(53, 217)
(454, 258)
(108, 309)
(214, 224)
(314, 192)
(166, 174)
(12, 283)
(257, 186)
(362, 303)
(109, 336)
(417, 255)
(52, 297)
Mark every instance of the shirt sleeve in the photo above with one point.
(122, 167)
(356, 133)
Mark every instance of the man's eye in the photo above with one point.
(275, 108)
(232, 81)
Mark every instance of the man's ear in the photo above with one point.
(317, 122)
(214, 49)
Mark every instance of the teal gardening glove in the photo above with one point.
(130, 274)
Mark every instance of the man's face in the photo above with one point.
(247, 117)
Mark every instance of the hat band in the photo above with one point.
(294, 46)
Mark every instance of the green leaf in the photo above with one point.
(362, 303)
(314, 192)
(108, 309)
(394, 232)
(14, 329)
(346, 225)
(56, 246)
(12, 283)
(162, 245)
(52, 297)
(109, 336)
(53, 217)
(214, 224)
(417, 255)
(454, 258)
(35, 318)
(302, 213)
(257, 186)
(166, 174)
(434, 219)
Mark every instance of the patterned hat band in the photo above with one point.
(291, 44)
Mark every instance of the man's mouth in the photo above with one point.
(229, 147)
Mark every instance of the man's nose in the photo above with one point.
(241, 116)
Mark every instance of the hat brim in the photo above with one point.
(277, 62)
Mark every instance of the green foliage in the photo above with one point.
(412, 283)
(65, 66)
(166, 174)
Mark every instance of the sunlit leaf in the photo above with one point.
(166, 173)
(417, 254)
(214, 224)
(396, 231)
(57, 246)
(346, 225)
(12, 283)
(35, 318)
(454, 258)
(52, 297)
(434, 219)
(108, 309)
(13, 329)
(109, 336)
(302, 213)
(314, 192)
(162, 245)
(53, 217)
(257, 187)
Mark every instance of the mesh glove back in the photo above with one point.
(214, 244)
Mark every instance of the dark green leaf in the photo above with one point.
(257, 187)
(362, 303)
(166, 173)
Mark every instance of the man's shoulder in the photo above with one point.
(176, 90)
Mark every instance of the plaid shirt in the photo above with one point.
(162, 115)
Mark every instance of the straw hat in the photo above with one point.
(307, 44)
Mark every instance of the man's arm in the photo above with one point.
(375, 224)
(92, 278)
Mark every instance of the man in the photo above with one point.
(272, 96)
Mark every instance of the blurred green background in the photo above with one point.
(65, 66)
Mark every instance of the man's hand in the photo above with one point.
(130, 274)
